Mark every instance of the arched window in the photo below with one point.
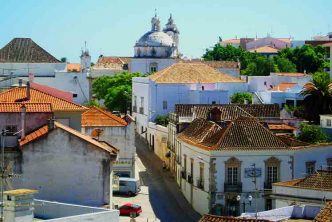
(153, 67)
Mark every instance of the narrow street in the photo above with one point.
(160, 196)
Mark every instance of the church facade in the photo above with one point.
(156, 49)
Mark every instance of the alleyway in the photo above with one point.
(167, 201)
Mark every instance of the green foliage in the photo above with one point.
(63, 59)
(318, 96)
(282, 64)
(115, 90)
(312, 134)
(162, 120)
(306, 58)
(92, 103)
(240, 97)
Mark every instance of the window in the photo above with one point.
(11, 130)
(268, 204)
(142, 101)
(185, 163)
(310, 167)
(232, 166)
(123, 183)
(272, 174)
(329, 164)
(213, 102)
(232, 175)
(328, 122)
(153, 67)
(164, 104)
(75, 95)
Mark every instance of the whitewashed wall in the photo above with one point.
(142, 65)
(38, 69)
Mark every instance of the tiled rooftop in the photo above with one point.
(19, 94)
(280, 126)
(325, 215)
(203, 110)
(98, 117)
(290, 74)
(30, 107)
(45, 130)
(191, 73)
(73, 67)
(239, 134)
(215, 218)
(283, 86)
(265, 49)
(321, 180)
(109, 62)
(25, 50)
(214, 64)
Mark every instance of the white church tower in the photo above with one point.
(172, 30)
(85, 59)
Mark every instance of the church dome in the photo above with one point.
(155, 38)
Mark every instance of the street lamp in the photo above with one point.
(249, 198)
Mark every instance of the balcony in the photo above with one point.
(267, 186)
(135, 109)
(233, 188)
(200, 184)
(183, 175)
(141, 110)
(190, 179)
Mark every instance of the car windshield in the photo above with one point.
(135, 206)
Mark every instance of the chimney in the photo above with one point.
(28, 90)
(23, 114)
(20, 82)
(51, 124)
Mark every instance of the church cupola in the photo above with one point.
(155, 24)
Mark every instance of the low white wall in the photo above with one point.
(55, 211)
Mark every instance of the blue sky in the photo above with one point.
(111, 27)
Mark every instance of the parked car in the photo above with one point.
(128, 186)
(130, 209)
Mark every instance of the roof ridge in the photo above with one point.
(110, 115)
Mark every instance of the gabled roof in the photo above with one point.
(30, 107)
(240, 134)
(283, 86)
(325, 214)
(321, 180)
(73, 67)
(227, 112)
(111, 62)
(191, 73)
(98, 117)
(215, 218)
(45, 130)
(19, 94)
(265, 49)
(25, 50)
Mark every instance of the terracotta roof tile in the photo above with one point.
(280, 126)
(265, 49)
(45, 130)
(25, 50)
(73, 67)
(191, 73)
(30, 107)
(203, 110)
(98, 117)
(283, 86)
(239, 134)
(215, 218)
(321, 180)
(112, 62)
(325, 214)
(214, 64)
(292, 142)
(19, 94)
(291, 74)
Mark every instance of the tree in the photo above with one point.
(115, 90)
(240, 97)
(306, 58)
(260, 66)
(92, 103)
(317, 96)
(63, 59)
(312, 134)
(282, 64)
(162, 120)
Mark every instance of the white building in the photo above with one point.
(106, 126)
(65, 165)
(181, 83)
(315, 188)
(22, 56)
(156, 49)
(217, 161)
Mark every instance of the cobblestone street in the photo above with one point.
(160, 197)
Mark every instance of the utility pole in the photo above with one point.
(3, 133)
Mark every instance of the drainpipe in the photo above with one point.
(23, 114)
